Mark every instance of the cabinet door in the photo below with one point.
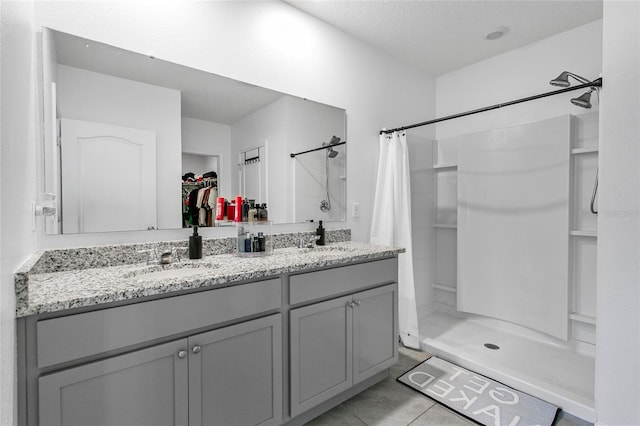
(146, 387)
(320, 352)
(235, 374)
(375, 331)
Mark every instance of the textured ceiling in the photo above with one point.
(441, 36)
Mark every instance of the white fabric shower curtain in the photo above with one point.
(391, 226)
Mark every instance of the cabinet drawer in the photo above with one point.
(76, 336)
(328, 282)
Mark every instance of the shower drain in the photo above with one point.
(491, 346)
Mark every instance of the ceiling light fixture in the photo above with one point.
(496, 33)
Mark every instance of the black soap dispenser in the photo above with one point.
(320, 233)
(195, 245)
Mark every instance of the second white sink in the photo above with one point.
(157, 272)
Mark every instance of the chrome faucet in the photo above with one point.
(303, 243)
(163, 258)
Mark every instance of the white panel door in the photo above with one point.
(513, 224)
(108, 177)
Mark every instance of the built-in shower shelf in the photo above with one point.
(583, 150)
(584, 233)
(445, 166)
(444, 226)
(586, 319)
(445, 288)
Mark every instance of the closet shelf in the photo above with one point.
(445, 288)
(444, 226)
(584, 233)
(586, 319)
(583, 150)
(444, 166)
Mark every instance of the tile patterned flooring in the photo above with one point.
(390, 403)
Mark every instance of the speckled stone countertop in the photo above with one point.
(40, 292)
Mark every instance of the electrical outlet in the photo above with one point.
(355, 210)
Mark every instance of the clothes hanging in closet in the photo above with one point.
(200, 205)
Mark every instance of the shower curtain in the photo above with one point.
(391, 226)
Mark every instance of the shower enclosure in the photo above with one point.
(513, 283)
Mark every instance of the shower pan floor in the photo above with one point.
(542, 369)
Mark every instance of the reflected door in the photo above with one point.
(108, 177)
(253, 175)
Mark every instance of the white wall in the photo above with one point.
(269, 44)
(90, 96)
(618, 306)
(207, 138)
(17, 177)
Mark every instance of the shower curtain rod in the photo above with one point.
(595, 83)
(292, 155)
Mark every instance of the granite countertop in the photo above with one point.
(58, 291)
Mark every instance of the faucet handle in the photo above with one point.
(151, 254)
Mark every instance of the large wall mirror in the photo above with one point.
(134, 143)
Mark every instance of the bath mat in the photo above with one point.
(477, 397)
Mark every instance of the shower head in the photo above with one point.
(331, 153)
(584, 100)
(563, 79)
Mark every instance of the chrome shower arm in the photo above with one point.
(577, 77)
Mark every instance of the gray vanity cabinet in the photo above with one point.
(321, 347)
(375, 331)
(230, 376)
(146, 387)
(235, 375)
(340, 342)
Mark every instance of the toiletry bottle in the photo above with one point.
(264, 214)
(231, 210)
(247, 243)
(195, 245)
(220, 208)
(261, 242)
(240, 239)
(245, 211)
(238, 213)
(320, 233)
(253, 214)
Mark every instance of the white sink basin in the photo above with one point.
(328, 249)
(158, 272)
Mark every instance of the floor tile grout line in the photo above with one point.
(421, 414)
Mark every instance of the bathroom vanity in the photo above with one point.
(221, 340)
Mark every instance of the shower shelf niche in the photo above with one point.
(444, 226)
(445, 288)
(586, 319)
(444, 166)
(584, 233)
(578, 151)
